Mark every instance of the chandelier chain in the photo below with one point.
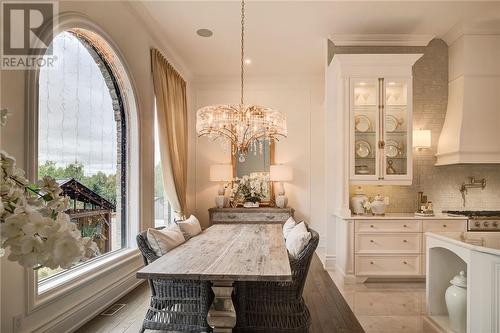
(242, 60)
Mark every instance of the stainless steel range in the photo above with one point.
(482, 220)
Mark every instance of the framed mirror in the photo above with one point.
(256, 165)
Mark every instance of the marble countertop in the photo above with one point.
(492, 247)
(405, 216)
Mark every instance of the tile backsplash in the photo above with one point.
(440, 184)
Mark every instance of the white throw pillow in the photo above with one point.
(297, 239)
(288, 226)
(164, 240)
(190, 227)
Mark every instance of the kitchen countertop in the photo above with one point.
(492, 248)
(405, 216)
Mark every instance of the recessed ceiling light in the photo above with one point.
(248, 61)
(204, 32)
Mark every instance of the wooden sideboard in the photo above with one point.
(250, 215)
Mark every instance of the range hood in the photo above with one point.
(471, 130)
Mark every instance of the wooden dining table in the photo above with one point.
(222, 254)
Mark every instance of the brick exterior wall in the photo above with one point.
(440, 184)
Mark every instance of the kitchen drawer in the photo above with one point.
(368, 243)
(444, 225)
(251, 217)
(388, 226)
(389, 265)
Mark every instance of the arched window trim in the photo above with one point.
(110, 53)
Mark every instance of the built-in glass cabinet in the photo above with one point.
(380, 127)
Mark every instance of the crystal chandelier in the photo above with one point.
(245, 127)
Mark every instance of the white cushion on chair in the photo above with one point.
(164, 240)
(297, 239)
(288, 226)
(190, 227)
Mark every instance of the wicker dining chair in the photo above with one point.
(176, 305)
(276, 306)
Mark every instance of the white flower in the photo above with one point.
(13, 225)
(38, 224)
(49, 185)
(31, 244)
(7, 163)
(66, 250)
(367, 205)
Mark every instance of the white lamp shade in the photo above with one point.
(421, 138)
(280, 173)
(221, 172)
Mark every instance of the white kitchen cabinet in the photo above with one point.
(391, 246)
(372, 103)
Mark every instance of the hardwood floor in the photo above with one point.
(329, 311)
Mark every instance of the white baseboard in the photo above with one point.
(90, 308)
(330, 262)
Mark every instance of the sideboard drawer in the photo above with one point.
(250, 215)
(388, 226)
(388, 243)
(405, 265)
(445, 225)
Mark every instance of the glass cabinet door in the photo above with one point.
(396, 129)
(365, 95)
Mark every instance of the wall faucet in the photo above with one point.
(472, 184)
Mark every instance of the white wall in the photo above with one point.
(133, 39)
(301, 98)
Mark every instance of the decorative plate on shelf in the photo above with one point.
(392, 148)
(362, 123)
(363, 148)
(392, 123)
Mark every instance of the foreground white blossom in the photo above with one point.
(33, 225)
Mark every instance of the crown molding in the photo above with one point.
(381, 39)
(461, 29)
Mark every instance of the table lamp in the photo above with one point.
(280, 173)
(221, 173)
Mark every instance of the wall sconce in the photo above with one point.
(280, 173)
(421, 139)
(221, 173)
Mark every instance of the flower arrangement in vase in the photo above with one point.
(250, 190)
(34, 227)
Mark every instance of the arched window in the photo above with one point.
(82, 139)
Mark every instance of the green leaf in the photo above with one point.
(47, 197)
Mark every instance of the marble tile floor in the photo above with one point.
(386, 307)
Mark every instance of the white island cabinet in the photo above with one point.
(446, 257)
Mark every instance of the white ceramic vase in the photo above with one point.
(281, 201)
(220, 201)
(357, 201)
(378, 205)
(456, 302)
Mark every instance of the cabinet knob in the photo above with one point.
(444, 225)
(404, 262)
(371, 240)
(371, 226)
(371, 262)
(405, 241)
(405, 226)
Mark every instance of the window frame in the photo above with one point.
(102, 265)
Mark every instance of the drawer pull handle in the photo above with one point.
(270, 217)
(405, 241)
(404, 262)
(371, 241)
(371, 262)
(405, 226)
(231, 217)
(372, 226)
(444, 225)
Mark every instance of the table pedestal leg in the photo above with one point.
(222, 316)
